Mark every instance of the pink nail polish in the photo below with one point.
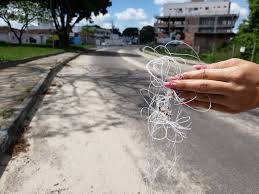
(199, 67)
(170, 85)
(167, 84)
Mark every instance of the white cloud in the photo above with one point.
(147, 23)
(235, 8)
(104, 21)
(132, 14)
(162, 2)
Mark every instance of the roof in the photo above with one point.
(233, 15)
(6, 29)
(41, 31)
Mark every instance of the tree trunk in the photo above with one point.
(19, 40)
(64, 38)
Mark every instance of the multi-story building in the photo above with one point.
(202, 24)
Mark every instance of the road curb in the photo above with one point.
(10, 133)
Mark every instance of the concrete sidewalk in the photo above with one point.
(16, 83)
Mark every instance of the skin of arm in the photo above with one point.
(231, 86)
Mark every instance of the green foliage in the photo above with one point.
(254, 16)
(116, 31)
(131, 32)
(147, 34)
(23, 12)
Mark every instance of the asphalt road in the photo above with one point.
(88, 137)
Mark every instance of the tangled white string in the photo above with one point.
(166, 113)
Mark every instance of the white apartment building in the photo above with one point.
(205, 24)
(197, 7)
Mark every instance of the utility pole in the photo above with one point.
(112, 32)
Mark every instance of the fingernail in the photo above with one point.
(176, 77)
(170, 84)
(199, 67)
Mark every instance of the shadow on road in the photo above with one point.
(111, 54)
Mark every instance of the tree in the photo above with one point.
(254, 16)
(248, 31)
(24, 12)
(147, 34)
(116, 31)
(67, 13)
(131, 32)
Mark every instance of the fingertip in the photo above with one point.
(167, 84)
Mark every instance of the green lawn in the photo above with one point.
(10, 52)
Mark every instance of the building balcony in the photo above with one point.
(161, 25)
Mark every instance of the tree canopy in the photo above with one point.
(254, 16)
(131, 32)
(147, 34)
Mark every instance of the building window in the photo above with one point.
(206, 8)
(196, 9)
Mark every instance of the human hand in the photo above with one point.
(231, 86)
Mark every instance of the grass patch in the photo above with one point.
(7, 113)
(9, 52)
(227, 52)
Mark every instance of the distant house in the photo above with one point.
(7, 36)
(101, 36)
(97, 36)
(38, 36)
(34, 34)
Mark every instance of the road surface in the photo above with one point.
(88, 137)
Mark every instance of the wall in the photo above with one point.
(209, 42)
(9, 37)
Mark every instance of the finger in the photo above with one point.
(211, 74)
(200, 86)
(206, 105)
(213, 98)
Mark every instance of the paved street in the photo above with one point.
(88, 137)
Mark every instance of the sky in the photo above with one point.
(138, 13)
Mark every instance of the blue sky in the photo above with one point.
(137, 13)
